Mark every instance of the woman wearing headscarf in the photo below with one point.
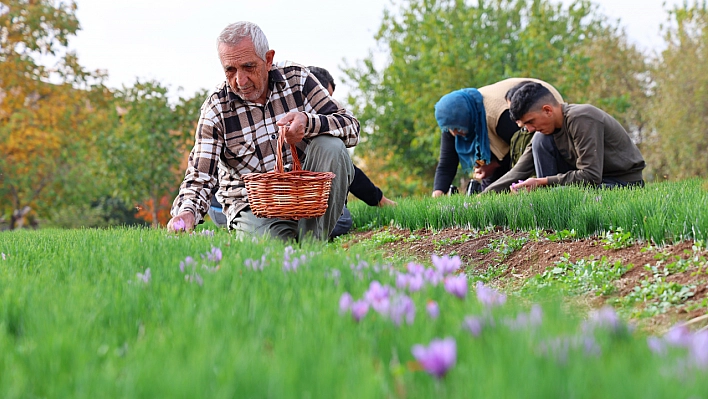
(461, 115)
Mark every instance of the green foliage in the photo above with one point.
(145, 151)
(437, 46)
(661, 212)
(76, 321)
(617, 239)
(656, 295)
(561, 235)
(678, 145)
(583, 276)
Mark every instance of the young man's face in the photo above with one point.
(245, 71)
(538, 121)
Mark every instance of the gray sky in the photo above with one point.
(173, 41)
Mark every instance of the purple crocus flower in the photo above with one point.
(432, 276)
(207, 233)
(698, 349)
(4, 257)
(536, 315)
(415, 282)
(178, 225)
(456, 285)
(438, 357)
(606, 318)
(415, 268)
(188, 261)
(489, 296)
(378, 296)
(402, 306)
(402, 280)
(473, 324)
(657, 345)
(345, 302)
(679, 335)
(359, 309)
(145, 277)
(447, 265)
(433, 309)
(214, 255)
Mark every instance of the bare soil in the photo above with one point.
(535, 256)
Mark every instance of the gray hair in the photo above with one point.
(237, 31)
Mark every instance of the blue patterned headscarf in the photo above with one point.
(464, 110)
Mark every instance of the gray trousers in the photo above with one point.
(325, 153)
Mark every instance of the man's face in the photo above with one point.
(245, 71)
(330, 90)
(538, 121)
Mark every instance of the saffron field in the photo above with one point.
(138, 313)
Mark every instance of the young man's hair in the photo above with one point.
(323, 76)
(509, 94)
(528, 98)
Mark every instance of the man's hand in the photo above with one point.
(438, 193)
(485, 171)
(386, 202)
(183, 222)
(528, 184)
(294, 124)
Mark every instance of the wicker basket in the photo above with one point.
(294, 195)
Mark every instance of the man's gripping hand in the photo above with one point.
(183, 222)
(293, 126)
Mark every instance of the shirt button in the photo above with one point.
(272, 136)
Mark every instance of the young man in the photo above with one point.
(476, 132)
(574, 144)
(238, 132)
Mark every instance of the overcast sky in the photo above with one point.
(173, 41)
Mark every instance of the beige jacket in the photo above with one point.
(495, 105)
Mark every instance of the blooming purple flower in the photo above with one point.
(513, 185)
(456, 285)
(402, 280)
(447, 265)
(536, 315)
(473, 324)
(698, 349)
(345, 302)
(378, 296)
(605, 318)
(145, 277)
(438, 357)
(415, 283)
(656, 345)
(432, 276)
(359, 309)
(4, 257)
(433, 309)
(188, 261)
(214, 255)
(489, 296)
(254, 264)
(523, 320)
(292, 264)
(207, 233)
(401, 306)
(178, 225)
(678, 335)
(415, 268)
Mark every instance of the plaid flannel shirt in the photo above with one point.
(235, 137)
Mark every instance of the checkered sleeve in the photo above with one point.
(326, 116)
(201, 175)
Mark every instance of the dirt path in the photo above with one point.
(508, 267)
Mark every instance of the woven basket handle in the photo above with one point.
(279, 153)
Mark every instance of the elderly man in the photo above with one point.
(575, 144)
(238, 133)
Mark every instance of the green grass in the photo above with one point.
(76, 322)
(661, 212)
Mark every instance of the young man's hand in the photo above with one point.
(485, 171)
(528, 184)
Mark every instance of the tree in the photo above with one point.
(45, 111)
(437, 46)
(678, 143)
(148, 146)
